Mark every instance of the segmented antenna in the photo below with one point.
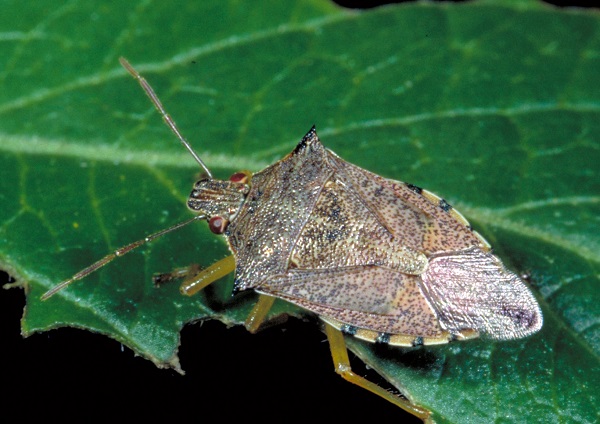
(126, 249)
(117, 253)
(168, 120)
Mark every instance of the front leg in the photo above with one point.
(193, 283)
(196, 280)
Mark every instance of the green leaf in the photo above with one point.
(493, 105)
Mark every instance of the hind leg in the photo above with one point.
(341, 362)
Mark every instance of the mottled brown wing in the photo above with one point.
(464, 283)
(417, 218)
(372, 253)
(368, 297)
(347, 262)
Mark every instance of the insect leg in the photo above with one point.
(342, 367)
(196, 282)
(259, 312)
(177, 273)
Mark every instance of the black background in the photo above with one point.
(280, 373)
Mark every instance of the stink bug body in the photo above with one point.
(377, 259)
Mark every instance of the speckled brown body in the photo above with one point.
(377, 258)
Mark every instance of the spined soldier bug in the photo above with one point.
(377, 259)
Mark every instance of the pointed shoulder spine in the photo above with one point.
(310, 138)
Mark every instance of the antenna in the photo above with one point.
(117, 253)
(128, 248)
(168, 120)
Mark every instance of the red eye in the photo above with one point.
(240, 177)
(217, 224)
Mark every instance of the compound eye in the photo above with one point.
(241, 177)
(217, 224)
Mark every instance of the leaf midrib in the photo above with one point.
(101, 151)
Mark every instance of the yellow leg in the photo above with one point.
(196, 282)
(259, 312)
(342, 367)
